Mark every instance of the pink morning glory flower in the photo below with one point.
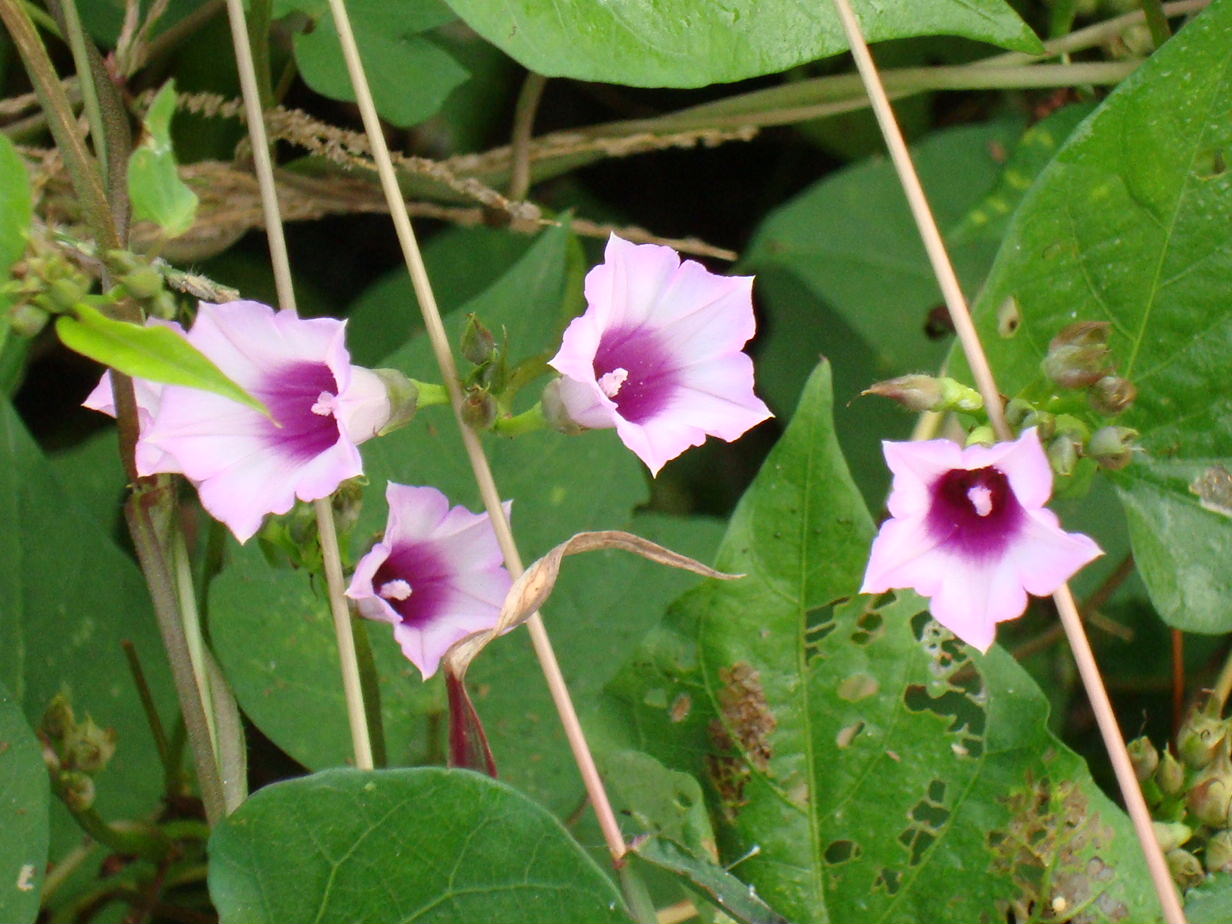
(969, 530)
(437, 575)
(246, 465)
(658, 353)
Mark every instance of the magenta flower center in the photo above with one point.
(416, 582)
(635, 371)
(974, 512)
(302, 398)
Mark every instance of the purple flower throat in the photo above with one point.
(635, 371)
(302, 399)
(974, 511)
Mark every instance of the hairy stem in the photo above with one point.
(1114, 742)
(474, 450)
(89, 92)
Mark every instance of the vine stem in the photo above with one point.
(1097, 694)
(361, 742)
(474, 450)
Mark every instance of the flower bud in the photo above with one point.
(1171, 834)
(1063, 454)
(478, 344)
(926, 393)
(1218, 856)
(1016, 412)
(63, 295)
(28, 319)
(403, 399)
(1078, 356)
(983, 435)
(1112, 394)
(1170, 775)
(1112, 447)
(1199, 739)
(1185, 869)
(479, 410)
(58, 718)
(1144, 757)
(142, 283)
(555, 412)
(89, 748)
(1045, 424)
(77, 790)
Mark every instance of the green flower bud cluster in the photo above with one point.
(44, 283)
(1190, 794)
(74, 751)
(1068, 439)
(137, 278)
(488, 378)
(1078, 358)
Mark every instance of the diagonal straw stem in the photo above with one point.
(974, 351)
(352, 688)
(474, 450)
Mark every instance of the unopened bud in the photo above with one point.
(27, 319)
(1210, 800)
(1170, 775)
(58, 718)
(1078, 356)
(1185, 869)
(1016, 412)
(142, 283)
(403, 397)
(478, 344)
(926, 393)
(1045, 424)
(1112, 394)
(983, 435)
(1112, 447)
(1199, 739)
(1144, 757)
(479, 410)
(555, 412)
(1062, 454)
(1071, 426)
(88, 747)
(63, 295)
(1218, 856)
(1171, 834)
(77, 790)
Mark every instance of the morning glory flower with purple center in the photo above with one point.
(246, 465)
(437, 575)
(969, 530)
(658, 353)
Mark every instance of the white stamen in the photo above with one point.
(610, 382)
(981, 499)
(396, 589)
(325, 405)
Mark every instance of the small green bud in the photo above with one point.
(1112, 447)
(403, 396)
(927, 393)
(1171, 834)
(1185, 869)
(58, 719)
(1199, 739)
(1044, 422)
(478, 344)
(1078, 356)
(64, 294)
(1016, 412)
(1170, 775)
(555, 413)
(1144, 757)
(1071, 426)
(1063, 454)
(1210, 799)
(27, 319)
(89, 748)
(1112, 394)
(479, 410)
(142, 283)
(77, 790)
(1218, 856)
(983, 435)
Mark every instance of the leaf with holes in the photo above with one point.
(402, 845)
(1131, 223)
(860, 759)
(691, 43)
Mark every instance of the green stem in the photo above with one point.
(641, 907)
(147, 703)
(1156, 21)
(527, 422)
(430, 394)
(142, 840)
(85, 74)
(191, 622)
(369, 682)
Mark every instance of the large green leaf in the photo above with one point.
(1132, 223)
(16, 214)
(411, 75)
(23, 815)
(68, 597)
(860, 760)
(398, 846)
(690, 43)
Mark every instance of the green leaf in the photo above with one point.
(398, 846)
(1211, 901)
(1132, 223)
(737, 900)
(863, 765)
(155, 353)
(68, 597)
(410, 74)
(16, 214)
(154, 185)
(691, 43)
(24, 795)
